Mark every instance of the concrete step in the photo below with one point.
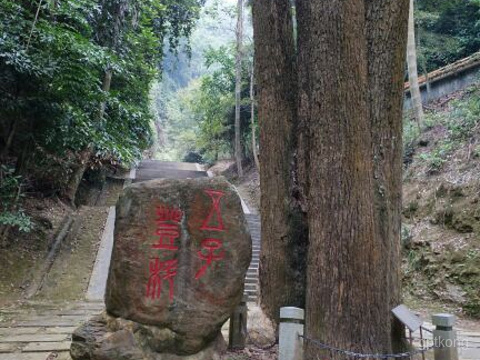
(150, 174)
(156, 164)
(250, 292)
(250, 298)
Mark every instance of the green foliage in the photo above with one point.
(465, 117)
(10, 194)
(199, 119)
(51, 73)
(448, 30)
(214, 103)
(195, 104)
(437, 157)
(460, 125)
(16, 219)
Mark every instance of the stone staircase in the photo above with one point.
(153, 169)
(251, 280)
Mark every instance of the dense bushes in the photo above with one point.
(448, 30)
(75, 78)
(54, 60)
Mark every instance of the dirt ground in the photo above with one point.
(69, 275)
(252, 352)
(26, 252)
(25, 272)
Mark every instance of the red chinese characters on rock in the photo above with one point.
(214, 252)
(161, 271)
(212, 249)
(167, 231)
(214, 220)
(168, 221)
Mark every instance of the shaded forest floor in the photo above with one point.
(53, 262)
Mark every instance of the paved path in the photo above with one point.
(39, 331)
(251, 280)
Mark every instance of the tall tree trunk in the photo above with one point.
(10, 137)
(106, 85)
(110, 36)
(37, 14)
(238, 87)
(386, 64)
(284, 240)
(415, 95)
(350, 67)
(252, 117)
(343, 254)
(418, 40)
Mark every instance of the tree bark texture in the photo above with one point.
(282, 266)
(412, 68)
(343, 255)
(252, 118)
(387, 25)
(238, 87)
(351, 56)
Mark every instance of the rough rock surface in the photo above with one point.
(181, 252)
(108, 338)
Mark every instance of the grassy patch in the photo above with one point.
(457, 127)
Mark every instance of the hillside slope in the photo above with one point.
(441, 205)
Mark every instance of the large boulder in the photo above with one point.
(105, 337)
(181, 252)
